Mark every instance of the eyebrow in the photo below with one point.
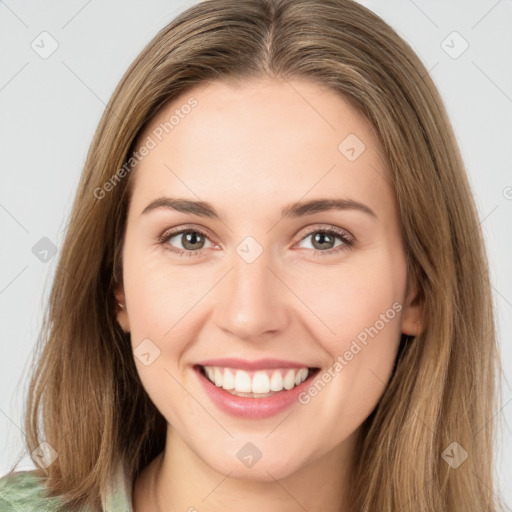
(297, 209)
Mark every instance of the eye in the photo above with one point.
(191, 240)
(323, 240)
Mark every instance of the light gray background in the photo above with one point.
(49, 109)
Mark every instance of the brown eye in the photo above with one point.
(192, 240)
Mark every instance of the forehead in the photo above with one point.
(266, 140)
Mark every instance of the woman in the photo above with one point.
(273, 293)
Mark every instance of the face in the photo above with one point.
(282, 261)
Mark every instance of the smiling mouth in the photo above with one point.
(256, 384)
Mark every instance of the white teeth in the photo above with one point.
(242, 382)
(289, 379)
(301, 376)
(229, 380)
(276, 382)
(262, 382)
(218, 377)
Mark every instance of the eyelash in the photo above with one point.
(348, 243)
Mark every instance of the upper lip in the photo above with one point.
(258, 364)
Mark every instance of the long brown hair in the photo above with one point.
(85, 387)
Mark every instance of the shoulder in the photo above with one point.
(25, 491)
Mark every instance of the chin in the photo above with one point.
(262, 471)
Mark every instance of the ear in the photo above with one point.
(412, 314)
(121, 312)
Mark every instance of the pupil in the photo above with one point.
(191, 238)
(322, 238)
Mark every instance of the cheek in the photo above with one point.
(363, 309)
(161, 305)
(348, 299)
(161, 295)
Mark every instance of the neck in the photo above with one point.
(180, 480)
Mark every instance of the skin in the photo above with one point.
(250, 149)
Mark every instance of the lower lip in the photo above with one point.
(248, 407)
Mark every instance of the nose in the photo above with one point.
(252, 302)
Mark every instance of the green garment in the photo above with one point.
(23, 491)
